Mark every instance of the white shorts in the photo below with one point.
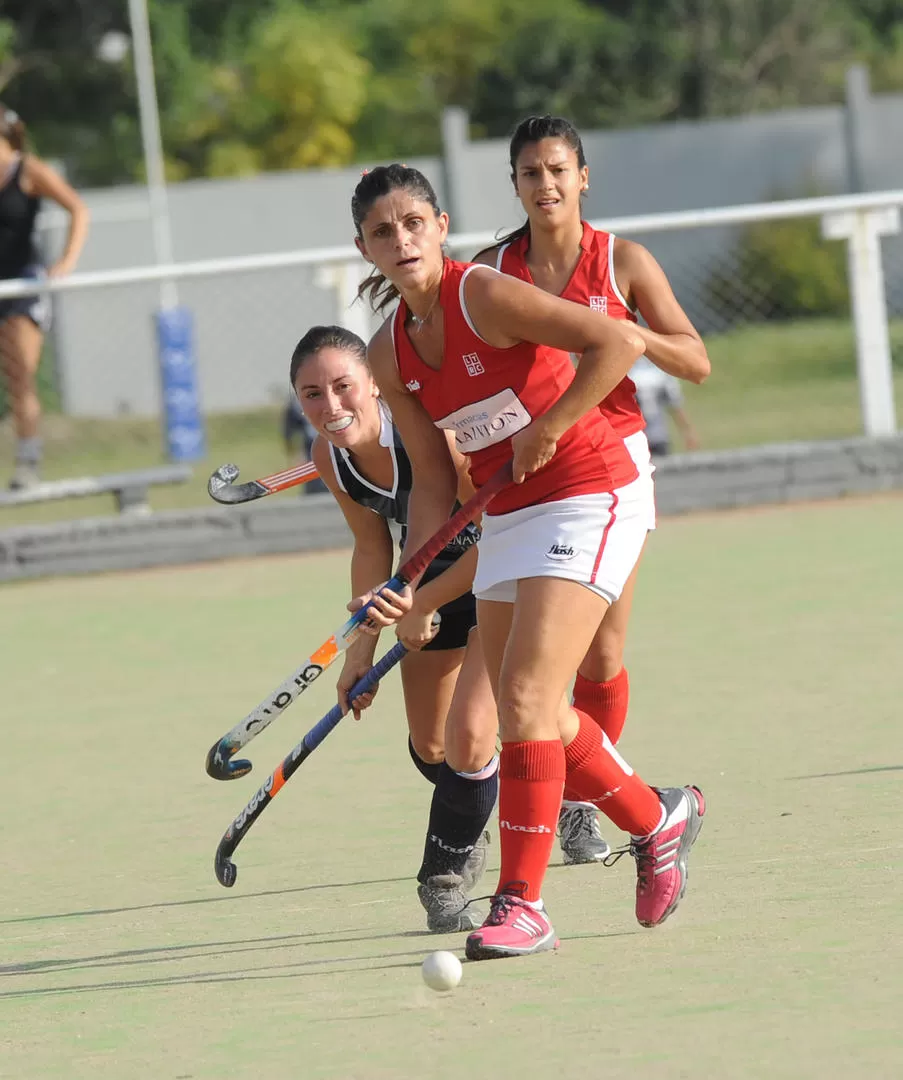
(638, 447)
(592, 539)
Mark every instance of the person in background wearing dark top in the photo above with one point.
(296, 425)
(24, 181)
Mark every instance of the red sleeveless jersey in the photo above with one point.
(592, 284)
(486, 394)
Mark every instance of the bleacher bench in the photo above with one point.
(129, 488)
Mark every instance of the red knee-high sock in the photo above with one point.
(598, 774)
(605, 702)
(531, 779)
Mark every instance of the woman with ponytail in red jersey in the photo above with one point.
(563, 255)
(475, 352)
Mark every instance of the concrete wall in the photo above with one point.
(768, 474)
(679, 166)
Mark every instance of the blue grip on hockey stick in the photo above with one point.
(364, 685)
(395, 584)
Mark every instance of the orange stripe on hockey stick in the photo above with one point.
(290, 477)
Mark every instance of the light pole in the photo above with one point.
(182, 415)
(149, 117)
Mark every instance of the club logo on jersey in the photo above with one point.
(561, 553)
(487, 422)
(413, 386)
(473, 364)
(599, 303)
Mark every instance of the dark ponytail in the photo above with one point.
(373, 185)
(12, 129)
(508, 238)
(527, 132)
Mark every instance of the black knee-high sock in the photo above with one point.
(425, 768)
(458, 815)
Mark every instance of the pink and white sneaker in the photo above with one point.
(512, 928)
(661, 859)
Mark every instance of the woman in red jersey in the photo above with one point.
(481, 354)
(562, 254)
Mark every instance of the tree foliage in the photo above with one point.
(290, 83)
(286, 97)
(789, 269)
(703, 58)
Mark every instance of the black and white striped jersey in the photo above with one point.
(391, 504)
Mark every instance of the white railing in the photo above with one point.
(859, 219)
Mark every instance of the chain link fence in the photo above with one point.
(772, 301)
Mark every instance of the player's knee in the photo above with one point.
(527, 710)
(21, 384)
(469, 751)
(427, 747)
(605, 657)
(16, 376)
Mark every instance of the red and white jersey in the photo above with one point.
(486, 395)
(592, 284)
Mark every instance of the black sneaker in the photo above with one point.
(579, 835)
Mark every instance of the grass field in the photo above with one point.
(765, 664)
(770, 383)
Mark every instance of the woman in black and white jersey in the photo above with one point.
(24, 181)
(448, 699)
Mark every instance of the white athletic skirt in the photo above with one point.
(638, 448)
(592, 539)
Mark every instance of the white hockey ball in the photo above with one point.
(442, 971)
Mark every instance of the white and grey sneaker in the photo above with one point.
(448, 910)
(25, 475)
(579, 835)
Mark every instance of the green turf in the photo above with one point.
(769, 383)
(765, 665)
(783, 381)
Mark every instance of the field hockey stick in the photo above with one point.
(219, 764)
(226, 870)
(222, 487)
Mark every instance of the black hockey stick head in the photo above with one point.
(226, 871)
(222, 487)
(220, 765)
